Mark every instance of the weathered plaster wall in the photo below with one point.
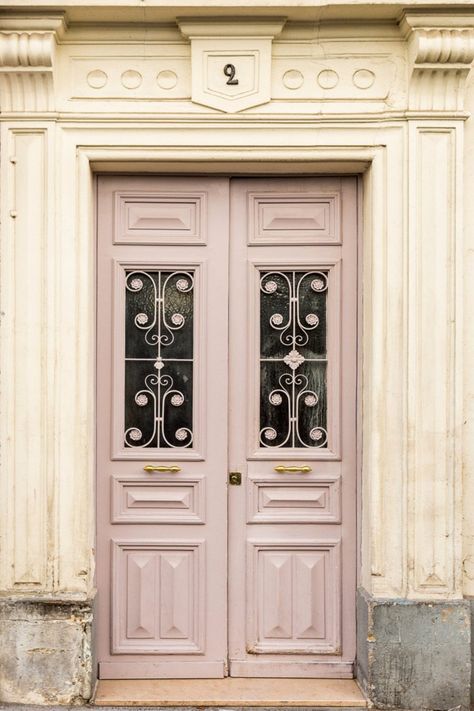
(46, 652)
(414, 654)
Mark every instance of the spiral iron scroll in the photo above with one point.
(293, 394)
(160, 329)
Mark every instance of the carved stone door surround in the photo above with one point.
(411, 404)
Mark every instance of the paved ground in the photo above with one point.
(90, 707)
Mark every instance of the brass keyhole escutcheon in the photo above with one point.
(235, 478)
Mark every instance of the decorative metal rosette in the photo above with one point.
(157, 304)
(293, 306)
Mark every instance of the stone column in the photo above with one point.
(414, 649)
(45, 617)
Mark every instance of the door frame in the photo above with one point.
(271, 172)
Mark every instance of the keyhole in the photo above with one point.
(229, 71)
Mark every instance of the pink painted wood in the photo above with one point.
(162, 538)
(292, 537)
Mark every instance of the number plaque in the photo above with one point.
(229, 71)
(231, 61)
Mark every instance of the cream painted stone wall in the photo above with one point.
(468, 422)
(385, 101)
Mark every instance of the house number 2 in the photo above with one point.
(229, 71)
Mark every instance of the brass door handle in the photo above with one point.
(162, 468)
(281, 469)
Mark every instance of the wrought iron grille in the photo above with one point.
(293, 359)
(159, 341)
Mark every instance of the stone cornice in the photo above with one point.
(440, 54)
(197, 27)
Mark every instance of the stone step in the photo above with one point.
(231, 692)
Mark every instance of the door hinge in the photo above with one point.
(235, 478)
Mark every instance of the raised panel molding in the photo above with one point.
(362, 78)
(26, 453)
(297, 219)
(434, 464)
(294, 596)
(293, 500)
(140, 500)
(130, 77)
(160, 218)
(158, 597)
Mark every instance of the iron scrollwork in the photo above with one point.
(158, 412)
(293, 338)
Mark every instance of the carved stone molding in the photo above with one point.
(231, 61)
(441, 51)
(27, 49)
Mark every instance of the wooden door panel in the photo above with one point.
(139, 500)
(293, 500)
(158, 597)
(161, 438)
(160, 217)
(293, 303)
(294, 597)
(285, 218)
(163, 365)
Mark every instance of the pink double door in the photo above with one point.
(226, 426)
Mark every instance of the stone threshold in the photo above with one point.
(33, 707)
(230, 692)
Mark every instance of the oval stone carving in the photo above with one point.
(131, 79)
(166, 79)
(328, 79)
(293, 79)
(363, 78)
(97, 79)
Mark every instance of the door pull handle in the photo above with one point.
(281, 469)
(162, 468)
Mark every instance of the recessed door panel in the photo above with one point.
(292, 426)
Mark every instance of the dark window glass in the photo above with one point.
(159, 309)
(293, 359)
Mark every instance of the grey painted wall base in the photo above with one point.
(410, 655)
(45, 651)
(472, 651)
(414, 654)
